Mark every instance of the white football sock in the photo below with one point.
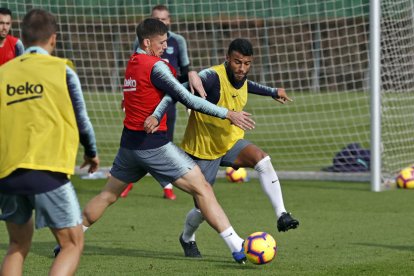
(192, 222)
(270, 184)
(168, 186)
(233, 241)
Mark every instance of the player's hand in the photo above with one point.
(123, 105)
(196, 85)
(282, 97)
(93, 163)
(151, 124)
(241, 119)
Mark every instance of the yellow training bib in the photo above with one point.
(38, 129)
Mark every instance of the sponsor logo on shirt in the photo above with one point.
(130, 85)
(32, 91)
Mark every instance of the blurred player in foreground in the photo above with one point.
(213, 142)
(10, 46)
(42, 117)
(147, 79)
(176, 55)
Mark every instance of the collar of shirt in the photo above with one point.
(36, 49)
(140, 51)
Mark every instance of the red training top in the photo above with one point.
(8, 51)
(141, 97)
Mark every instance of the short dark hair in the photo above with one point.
(160, 8)
(38, 26)
(150, 27)
(241, 45)
(4, 10)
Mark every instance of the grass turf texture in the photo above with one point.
(344, 230)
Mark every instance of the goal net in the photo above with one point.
(318, 50)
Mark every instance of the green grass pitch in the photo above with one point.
(344, 230)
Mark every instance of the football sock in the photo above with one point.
(84, 228)
(270, 184)
(192, 222)
(233, 241)
(168, 186)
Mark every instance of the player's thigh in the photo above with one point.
(20, 234)
(167, 163)
(209, 168)
(113, 188)
(243, 154)
(193, 182)
(58, 208)
(127, 168)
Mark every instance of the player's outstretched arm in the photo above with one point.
(163, 79)
(163, 106)
(241, 119)
(281, 96)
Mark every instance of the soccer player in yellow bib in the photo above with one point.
(213, 142)
(43, 117)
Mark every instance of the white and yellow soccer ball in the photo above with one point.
(236, 176)
(405, 178)
(260, 248)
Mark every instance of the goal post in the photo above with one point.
(375, 46)
(327, 54)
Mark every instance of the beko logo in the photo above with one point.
(130, 85)
(130, 82)
(24, 89)
(33, 91)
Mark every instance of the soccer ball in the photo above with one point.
(260, 248)
(405, 178)
(239, 175)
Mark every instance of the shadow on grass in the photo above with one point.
(90, 193)
(387, 246)
(351, 186)
(45, 249)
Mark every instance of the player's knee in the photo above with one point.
(264, 164)
(20, 247)
(74, 240)
(260, 155)
(72, 246)
(202, 188)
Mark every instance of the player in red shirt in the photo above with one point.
(176, 55)
(10, 46)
